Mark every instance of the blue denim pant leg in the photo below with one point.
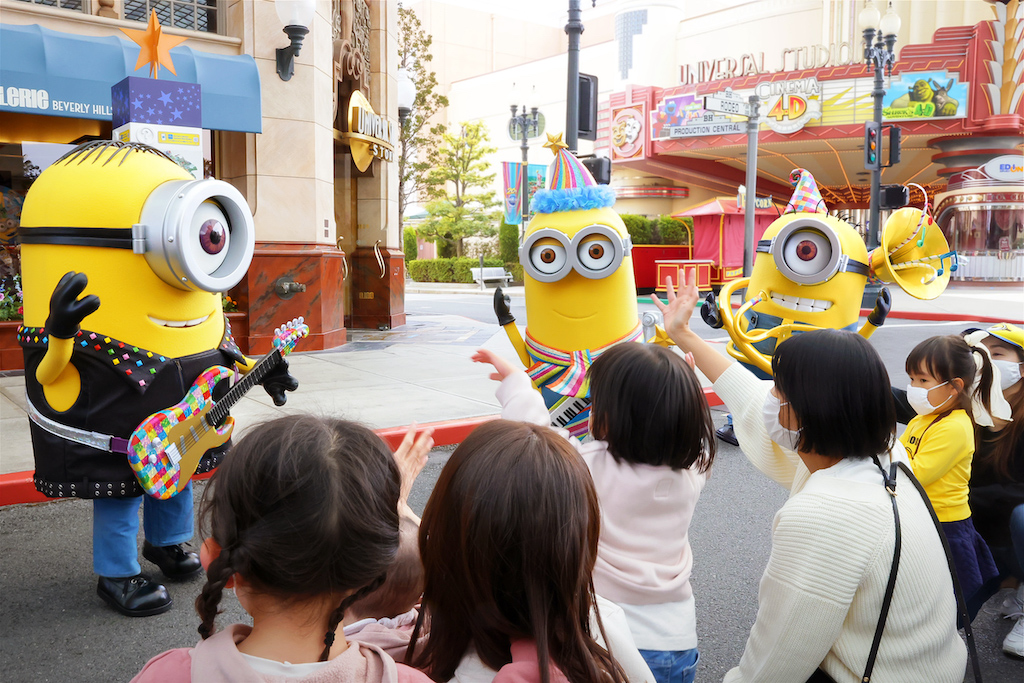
(672, 666)
(171, 521)
(115, 529)
(1017, 536)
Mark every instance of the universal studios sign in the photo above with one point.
(369, 134)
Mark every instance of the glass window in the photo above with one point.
(73, 5)
(194, 15)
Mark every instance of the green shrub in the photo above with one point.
(516, 268)
(460, 269)
(445, 248)
(440, 270)
(419, 270)
(673, 230)
(639, 228)
(508, 242)
(409, 245)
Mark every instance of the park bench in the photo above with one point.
(493, 274)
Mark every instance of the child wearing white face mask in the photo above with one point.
(940, 442)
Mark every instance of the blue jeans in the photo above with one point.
(672, 666)
(115, 529)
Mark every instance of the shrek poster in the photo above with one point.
(925, 95)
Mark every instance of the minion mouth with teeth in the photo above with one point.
(809, 273)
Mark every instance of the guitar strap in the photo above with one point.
(102, 442)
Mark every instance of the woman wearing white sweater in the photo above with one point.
(824, 431)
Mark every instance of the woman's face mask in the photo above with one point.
(917, 397)
(1009, 373)
(787, 438)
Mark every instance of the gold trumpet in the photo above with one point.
(913, 254)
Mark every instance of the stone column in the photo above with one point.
(287, 174)
(378, 262)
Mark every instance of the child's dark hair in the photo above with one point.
(949, 357)
(837, 385)
(648, 405)
(509, 542)
(301, 507)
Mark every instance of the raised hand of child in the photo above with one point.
(411, 457)
(680, 305)
(502, 368)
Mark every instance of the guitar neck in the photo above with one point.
(251, 379)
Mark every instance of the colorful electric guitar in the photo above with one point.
(166, 447)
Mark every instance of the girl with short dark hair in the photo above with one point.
(654, 445)
(826, 431)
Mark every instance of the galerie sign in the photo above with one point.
(369, 134)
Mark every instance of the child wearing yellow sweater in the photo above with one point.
(940, 443)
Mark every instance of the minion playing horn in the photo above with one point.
(580, 291)
(155, 249)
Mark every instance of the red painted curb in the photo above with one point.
(17, 487)
(943, 317)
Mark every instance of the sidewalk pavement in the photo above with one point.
(422, 371)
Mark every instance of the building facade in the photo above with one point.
(325, 215)
(955, 92)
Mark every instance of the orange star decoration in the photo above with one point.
(555, 143)
(156, 47)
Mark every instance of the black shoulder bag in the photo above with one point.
(820, 676)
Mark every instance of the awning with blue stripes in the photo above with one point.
(63, 74)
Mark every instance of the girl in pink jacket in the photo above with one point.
(654, 445)
(303, 517)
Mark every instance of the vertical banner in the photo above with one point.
(512, 173)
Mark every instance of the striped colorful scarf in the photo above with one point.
(565, 372)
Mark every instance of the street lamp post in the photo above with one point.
(525, 123)
(880, 57)
(574, 29)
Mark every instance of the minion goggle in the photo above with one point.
(808, 251)
(196, 235)
(594, 252)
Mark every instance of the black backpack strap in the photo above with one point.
(890, 486)
(961, 604)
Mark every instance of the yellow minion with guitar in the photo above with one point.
(124, 258)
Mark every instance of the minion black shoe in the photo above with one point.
(174, 561)
(134, 596)
(727, 435)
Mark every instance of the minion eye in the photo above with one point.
(596, 254)
(547, 258)
(210, 236)
(807, 252)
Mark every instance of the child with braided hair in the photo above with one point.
(303, 522)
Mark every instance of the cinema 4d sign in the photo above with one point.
(787, 106)
(369, 134)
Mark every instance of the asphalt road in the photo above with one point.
(54, 628)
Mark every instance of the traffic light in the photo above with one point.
(600, 168)
(872, 146)
(588, 108)
(895, 139)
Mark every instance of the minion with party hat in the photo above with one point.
(809, 273)
(580, 291)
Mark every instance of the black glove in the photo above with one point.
(66, 310)
(501, 308)
(882, 305)
(709, 312)
(278, 381)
